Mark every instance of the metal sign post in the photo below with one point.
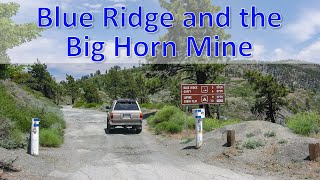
(35, 137)
(199, 114)
(187, 124)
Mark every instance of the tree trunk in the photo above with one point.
(271, 111)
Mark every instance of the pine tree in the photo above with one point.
(208, 70)
(270, 94)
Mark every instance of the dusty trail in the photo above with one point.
(90, 153)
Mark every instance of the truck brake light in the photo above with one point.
(111, 115)
(141, 116)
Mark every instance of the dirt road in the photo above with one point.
(90, 153)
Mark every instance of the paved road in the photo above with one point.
(90, 153)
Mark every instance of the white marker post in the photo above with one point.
(199, 114)
(35, 137)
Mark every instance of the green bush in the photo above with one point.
(164, 115)
(92, 105)
(249, 135)
(283, 141)
(10, 144)
(211, 124)
(152, 105)
(50, 138)
(305, 123)
(79, 103)
(17, 136)
(160, 128)
(173, 127)
(15, 120)
(270, 134)
(171, 119)
(253, 144)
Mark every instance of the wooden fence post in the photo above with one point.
(230, 137)
(314, 151)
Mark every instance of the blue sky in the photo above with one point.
(298, 38)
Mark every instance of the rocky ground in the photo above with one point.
(281, 154)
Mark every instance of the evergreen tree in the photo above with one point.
(270, 94)
(91, 94)
(41, 80)
(199, 70)
(72, 88)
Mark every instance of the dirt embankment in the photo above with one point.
(262, 148)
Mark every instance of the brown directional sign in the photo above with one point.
(192, 94)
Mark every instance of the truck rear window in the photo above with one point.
(122, 106)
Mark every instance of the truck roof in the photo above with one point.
(126, 100)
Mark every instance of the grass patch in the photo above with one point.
(50, 138)
(283, 141)
(305, 123)
(253, 144)
(92, 105)
(212, 124)
(81, 103)
(270, 134)
(78, 104)
(249, 135)
(171, 119)
(152, 105)
(186, 141)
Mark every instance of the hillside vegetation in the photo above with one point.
(158, 86)
(18, 107)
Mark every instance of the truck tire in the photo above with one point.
(139, 130)
(109, 129)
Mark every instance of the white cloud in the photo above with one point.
(92, 6)
(119, 5)
(311, 52)
(54, 50)
(118, 1)
(258, 51)
(281, 54)
(305, 27)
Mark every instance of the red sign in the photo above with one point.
(192, 94)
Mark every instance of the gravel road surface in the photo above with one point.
(90, 153)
